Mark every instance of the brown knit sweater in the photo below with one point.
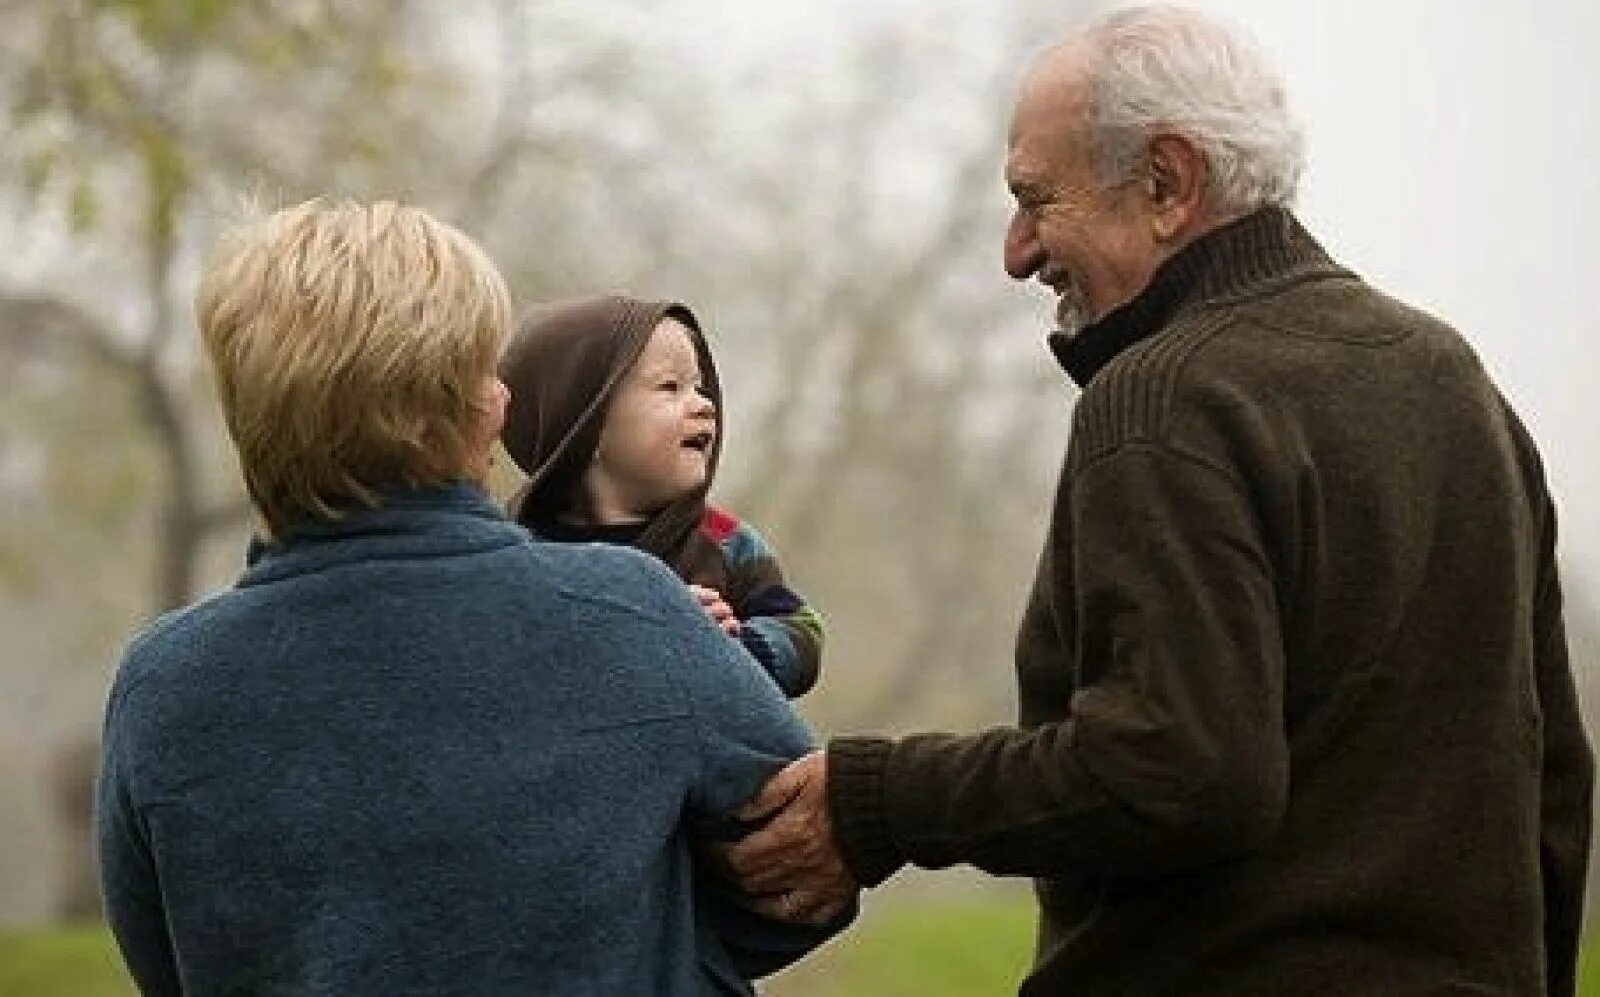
(1296, 713)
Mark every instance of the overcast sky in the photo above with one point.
(1453, 161)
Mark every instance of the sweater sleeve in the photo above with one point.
(1567, 780)
(779, 628)
(133, 900)
(1173, 754)
(745, 944)
(746, 731)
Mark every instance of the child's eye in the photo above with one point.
(668, 386)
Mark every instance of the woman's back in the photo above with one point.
(417, 752)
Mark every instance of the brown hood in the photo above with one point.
(563, 365)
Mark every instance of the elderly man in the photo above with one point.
(1296, 712)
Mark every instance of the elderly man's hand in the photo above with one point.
(792, 866)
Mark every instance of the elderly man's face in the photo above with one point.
(1089, 241)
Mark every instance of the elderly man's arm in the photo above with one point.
(1566, 797)
(1174, 754)
(1567, 782)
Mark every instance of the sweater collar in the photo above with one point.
(402, 518)
(1264, 246)
(626, 534)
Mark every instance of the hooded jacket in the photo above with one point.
(563, 367)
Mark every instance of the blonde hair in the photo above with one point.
(351, 345)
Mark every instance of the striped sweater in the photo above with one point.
(779, 628)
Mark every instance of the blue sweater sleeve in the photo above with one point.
(128, 882)
(746, 730)
(745, 727)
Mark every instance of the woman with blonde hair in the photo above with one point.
(412, 750)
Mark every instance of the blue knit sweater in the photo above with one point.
(418, 752)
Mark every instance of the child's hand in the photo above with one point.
(717, 608)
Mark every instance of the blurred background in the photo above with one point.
(822, 182)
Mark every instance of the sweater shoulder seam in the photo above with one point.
(1134, 397)
(1169, 448)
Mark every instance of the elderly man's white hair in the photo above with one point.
(1173, 69)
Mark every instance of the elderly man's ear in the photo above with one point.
(1174, 188)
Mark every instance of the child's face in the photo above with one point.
(656, 444)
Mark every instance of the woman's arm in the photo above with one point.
(133, 901)
(746, 731)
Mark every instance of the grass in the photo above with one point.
(970, 946)
(977, 944)
(963, 946)
(75, 961)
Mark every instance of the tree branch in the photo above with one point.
(34, 323)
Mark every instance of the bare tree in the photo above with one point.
(122, 115)
(119, 114)
(907, 435)
(846, 254)
(137, 127)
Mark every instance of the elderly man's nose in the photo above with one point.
(1023, 253)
